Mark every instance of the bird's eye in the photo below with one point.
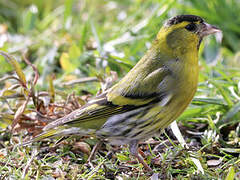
(191, 27)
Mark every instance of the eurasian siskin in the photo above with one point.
(151, 96)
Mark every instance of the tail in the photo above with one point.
(59, 131)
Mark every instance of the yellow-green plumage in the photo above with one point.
(152, 95)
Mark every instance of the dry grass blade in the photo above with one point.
(20, 112)
(16, 66)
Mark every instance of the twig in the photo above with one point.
(36, 77)
(8, 77)
(25, 170)
(8, 164)
(81, 80)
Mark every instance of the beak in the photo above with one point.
(208, 29)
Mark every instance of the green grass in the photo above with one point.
(70, 40)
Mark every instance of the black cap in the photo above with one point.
(181, 18)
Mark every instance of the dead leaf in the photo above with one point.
(83, 147)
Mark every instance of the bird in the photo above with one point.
(153, 94)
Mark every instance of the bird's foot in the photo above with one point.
(133, 146)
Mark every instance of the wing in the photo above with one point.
(142, 88)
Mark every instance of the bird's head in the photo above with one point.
(185, 32)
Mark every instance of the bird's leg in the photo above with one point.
(94, 150)
(133, 147)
